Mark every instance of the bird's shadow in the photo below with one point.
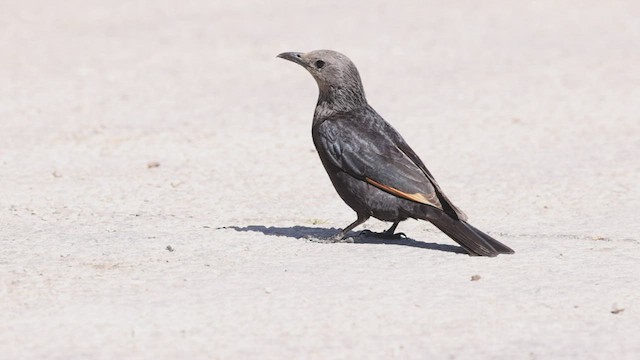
(310, 233)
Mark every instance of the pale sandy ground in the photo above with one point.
(528, 114)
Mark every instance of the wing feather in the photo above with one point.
(362, 147)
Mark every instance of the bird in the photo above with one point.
(371, 166)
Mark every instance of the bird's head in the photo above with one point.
(337, 77)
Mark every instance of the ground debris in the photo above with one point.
(616, 310)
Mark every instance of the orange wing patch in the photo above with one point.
(417, 197)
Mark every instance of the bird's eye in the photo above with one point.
(319, 64)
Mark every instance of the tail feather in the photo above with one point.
(500, 247)
(474, 241)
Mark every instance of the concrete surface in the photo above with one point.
(536, 103)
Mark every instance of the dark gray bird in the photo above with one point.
(370, 165)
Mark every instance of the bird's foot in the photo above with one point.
(338, 238)
(383, 235)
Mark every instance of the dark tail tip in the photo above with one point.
(474, 241)
(497, 245)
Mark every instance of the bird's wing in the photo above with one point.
(366, 150)
(407, 150)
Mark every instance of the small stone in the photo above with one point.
(616, 310)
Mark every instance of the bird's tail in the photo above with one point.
(471, 239)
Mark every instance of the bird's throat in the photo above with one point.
(338, 100)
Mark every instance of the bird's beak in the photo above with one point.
(295, 57)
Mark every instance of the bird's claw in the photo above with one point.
(332, 240)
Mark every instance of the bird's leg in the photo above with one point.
(392, 229)
(389, 233)
(342, 234)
